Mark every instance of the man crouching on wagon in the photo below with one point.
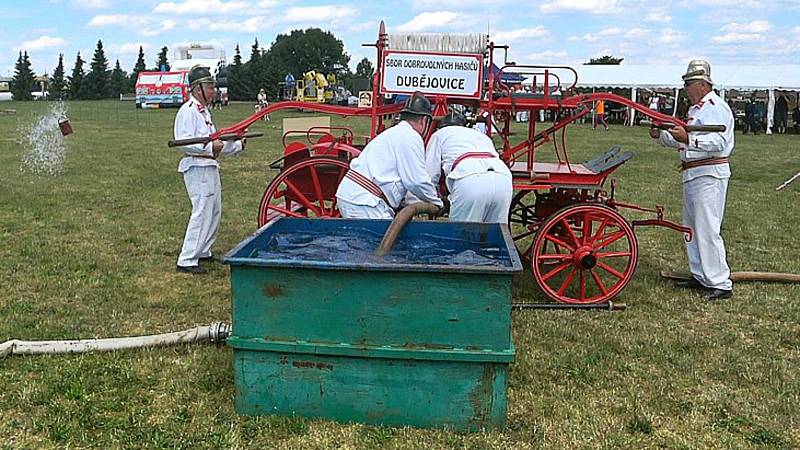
(704, 160)
(390, 166)
(479, 182)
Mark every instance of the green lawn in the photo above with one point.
(91, 253)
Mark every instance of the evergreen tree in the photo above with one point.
(97, 81)
(254, 73)
(57, 83)
(138, 67)
(119, 82)
(162, 60)
(22, 83)
(76, 89)
(238, 85)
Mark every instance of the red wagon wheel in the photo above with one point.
(522, 220)
(594, 257)
(304, 189)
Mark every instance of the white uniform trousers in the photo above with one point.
(203, 186)
(703, 210)
(481, 197)
(353, 211)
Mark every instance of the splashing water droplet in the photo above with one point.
(44, 142)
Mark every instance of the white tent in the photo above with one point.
(740, 77)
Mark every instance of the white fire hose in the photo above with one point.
(217, 332)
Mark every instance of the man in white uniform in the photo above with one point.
(479, 182)
(390, 166)
(200, 171)
(704, 159)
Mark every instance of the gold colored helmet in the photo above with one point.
(698, 69)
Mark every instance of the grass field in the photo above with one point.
(91, 253)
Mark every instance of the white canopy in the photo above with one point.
(739, 77)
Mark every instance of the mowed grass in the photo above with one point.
(91, 253)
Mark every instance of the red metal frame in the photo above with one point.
(560, 205)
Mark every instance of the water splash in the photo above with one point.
(43, 142)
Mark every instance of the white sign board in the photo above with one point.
(454, 75)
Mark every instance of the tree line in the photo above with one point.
(297, 53)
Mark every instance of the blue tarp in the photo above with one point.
(506, 77)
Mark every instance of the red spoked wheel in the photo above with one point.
(584, 254)
(306, 188)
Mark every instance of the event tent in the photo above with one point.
(785, 77)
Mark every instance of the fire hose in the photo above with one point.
(217, 332)
(736, 277)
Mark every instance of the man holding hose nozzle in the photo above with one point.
(704, 161)
(390, 166)
(200, 171)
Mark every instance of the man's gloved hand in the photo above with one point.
(445, 209)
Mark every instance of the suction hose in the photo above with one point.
(400, 221)
(217, 332)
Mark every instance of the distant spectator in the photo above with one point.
(216, 102)
(796, 117)
(262, 103)
(751, 116)
(600, 114)
(781, 114)
(653, 102)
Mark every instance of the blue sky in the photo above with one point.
(562, 32)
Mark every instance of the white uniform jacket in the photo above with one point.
(194, 120)
(395, 162)
(449, 143)
(711, 110)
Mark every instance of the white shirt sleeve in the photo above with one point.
(666, 139)
(414, 174)
(231, 148)
(433, 158)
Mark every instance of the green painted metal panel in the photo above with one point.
(411, 309)
(383, 391)
(455, 354)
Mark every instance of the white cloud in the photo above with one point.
(144, 25)
(96, 4)
(251, 25)
(637, 32)
(590, 6)
(311, 13)
(759, 26)
(730, 38)
(40, 43)
(670, 36)
(202, 7)
(610, 31)
(266, 4)
(659, 16)
(519, 34)
(164, 25)
(104, 20)
(432, 20)
(546, 57)
(131, 48)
